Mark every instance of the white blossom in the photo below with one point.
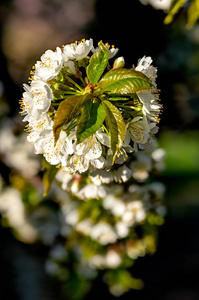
(12, 208)
(84, 226)
(113, 259)
(41, 94)
(16, 149)
(65, 178)
(91, 191)
(88, 154)
(158, 154)
(97, 261)
(112, 50)
(122, 174)
(144, 63)
(138, 130)
(101, 176)
(135, 212)
(90, 148)
(50, 64)
(103, 233)
(141, 166)
(158, 4)
(78, 163)
(122, 229)
(77, 50)
(70, 211)
(36, 127)
(114, 204)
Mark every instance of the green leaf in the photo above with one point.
(49, 176)
(93, 115)
(124, 81)
(116, 126)
(174, 8)
(193, 13)
(177, 5)
(67, 111)
(98, 63)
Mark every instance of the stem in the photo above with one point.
(72, 125)
(126, 106)
(119, 99)
(111, 100)
(83, 81)
(55, 104)
(126, 111)
(66, 86)
(74, 83)
(105, 128)
(71, 93)
(61, 99)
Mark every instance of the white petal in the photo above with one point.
(103, 138)
(98, 163)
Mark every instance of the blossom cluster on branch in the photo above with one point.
(92, 229)
(95, 122)
(84, 114)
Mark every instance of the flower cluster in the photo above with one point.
(95, 228)
(112, 213)
(83, 114)
(110, 231)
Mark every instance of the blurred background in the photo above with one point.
(28, 29)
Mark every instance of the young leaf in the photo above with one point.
(98, 63)
(116, 126)
(49, 177)
(193, 13)
(67, 111)
(124, 81)
(93, 115)
(174, 8)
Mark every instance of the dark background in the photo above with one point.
(28, 28)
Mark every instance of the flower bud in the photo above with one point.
(71, 67)
(119, 63)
